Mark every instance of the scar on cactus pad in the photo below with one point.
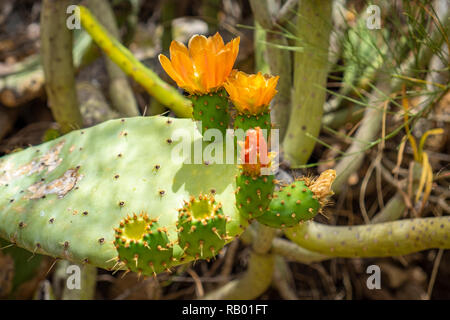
(202, 227)
(142, 245)
(299, 201)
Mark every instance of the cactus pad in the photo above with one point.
(253, 194)
(202, 227)
(64, 198)
(143, 246)
(290, 206)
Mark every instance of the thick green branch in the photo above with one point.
(310, 77)
(255, 280)
(296, 253)
(278, 58)
(376, 240)
(57, 60)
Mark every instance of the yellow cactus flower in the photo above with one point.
(251, 93)
(204, 66)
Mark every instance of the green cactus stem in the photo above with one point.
(253, 194)
(254, 186)
(212, 110)
(202, 227)
(310, 76)
(272, 57)
(251, 284)
(375, 240)
(246, 121)
(57, 61)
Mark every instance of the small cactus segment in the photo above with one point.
(202, 227)
(292, 204)
(246, 121)
(253, 186)
(299, 201)
(253, 194)
(212, 110)
(142, 245)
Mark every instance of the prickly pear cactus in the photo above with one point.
(65, 197)
(212, 110)
(202, 227)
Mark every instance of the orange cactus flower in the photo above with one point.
(204, 66)
(254, 152)
(251, 93)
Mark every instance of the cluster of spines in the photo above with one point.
(212, 110)
(143, 246)
(201, 227)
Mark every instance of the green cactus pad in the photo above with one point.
(212, 110)
(202, 227)
(248, 121)
(64, 198)
(290, 206)
(143, 246)
(253, 194)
